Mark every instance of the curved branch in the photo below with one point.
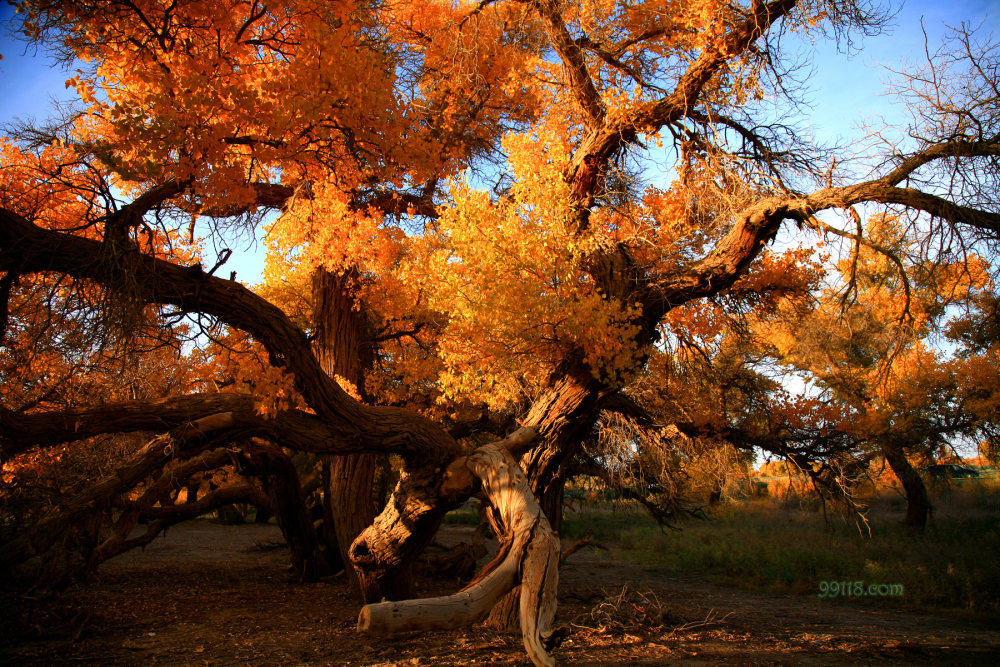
(27, 248)
(295, 429)
(650, 117)
(757, 225)
(188, 439)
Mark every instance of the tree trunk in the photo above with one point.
(563, 414)
(530, 557)
(344, 352)
(281, 482)
(918, 504)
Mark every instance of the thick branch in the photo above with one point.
(757, 225)
(606, 140)
(580, 82)
(293, 428)
(27, 248)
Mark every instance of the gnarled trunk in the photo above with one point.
(530, 557)
(563, 414)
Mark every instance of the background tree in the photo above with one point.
(872, 349)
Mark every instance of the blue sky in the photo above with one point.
(844, 90)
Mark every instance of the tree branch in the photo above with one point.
(27, 248)
(580, 82)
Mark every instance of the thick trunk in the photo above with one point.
(918, 504)
(344, 352)
(530, 558)
(384, 551)
(563, 414)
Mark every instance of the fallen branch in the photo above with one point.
(571, 549)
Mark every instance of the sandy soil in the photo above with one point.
(209, 594)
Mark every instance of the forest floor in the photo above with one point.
(211, 594)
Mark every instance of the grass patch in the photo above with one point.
(466, 515)
(762, 545)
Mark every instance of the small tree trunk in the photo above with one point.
(281, 481)
(327, 533)
(918, 504)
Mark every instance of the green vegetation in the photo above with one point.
(765, 544)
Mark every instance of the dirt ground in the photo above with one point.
(210, 594)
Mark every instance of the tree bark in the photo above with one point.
(344, 353)
(563, 414)
(530, 557)
(918, 504)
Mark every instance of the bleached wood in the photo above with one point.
(532, 561)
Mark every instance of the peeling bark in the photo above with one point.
(563, 413)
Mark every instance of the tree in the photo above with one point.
(873, 353)
(537, 301)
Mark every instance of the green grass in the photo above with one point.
(763, 545)
(463, 516)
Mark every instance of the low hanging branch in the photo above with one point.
(169, 515)
(531, 560)
(187, 439)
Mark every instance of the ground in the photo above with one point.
(210, 594)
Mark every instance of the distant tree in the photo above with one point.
(870, 347)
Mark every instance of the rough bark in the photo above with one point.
(530, 559)
(341, 344)
(26, 248)
(563, 414)
(407, 523)
(295, 429)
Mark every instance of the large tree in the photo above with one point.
(530, 291)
